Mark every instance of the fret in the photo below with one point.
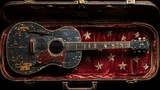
(89, 46)
(95, 45)
(105, 45)
(76, 47)
(84, 46)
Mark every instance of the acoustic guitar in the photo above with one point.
(30, 47)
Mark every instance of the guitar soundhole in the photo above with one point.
(56, 47)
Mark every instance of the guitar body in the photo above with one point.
(31, 47)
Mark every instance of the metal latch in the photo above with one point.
(131, 1)
(81, 1)
(29, 1)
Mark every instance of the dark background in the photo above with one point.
(108, 85)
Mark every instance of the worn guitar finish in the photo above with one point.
(30, 47)
(27, 47)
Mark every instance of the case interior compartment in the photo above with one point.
(101, 21)
(111, 64)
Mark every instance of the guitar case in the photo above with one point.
(96, 21)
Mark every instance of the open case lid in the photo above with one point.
(43, 11)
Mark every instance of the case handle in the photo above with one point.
(66, 87)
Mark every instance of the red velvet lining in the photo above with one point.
(104, 64)
(87, 67)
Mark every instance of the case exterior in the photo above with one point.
(100, 65)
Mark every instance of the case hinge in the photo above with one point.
(81, 1)
(29, 1)
(131, 1)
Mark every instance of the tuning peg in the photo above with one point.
(135, 47)
(139, 51)
(134, 51)
(144, 38)
(144, 51)
(139, 38)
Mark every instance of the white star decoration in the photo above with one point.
(76, 69)
(87, 35)
(136, 59)
(111, 57)
(122, 66)
(148, 52)
(137, 34)
(109, 33)
(145, 67)
(123, 38)
(99, 66)
(88, 59)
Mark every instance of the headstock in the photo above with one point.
(140, 45)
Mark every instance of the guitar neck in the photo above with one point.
(73, 46)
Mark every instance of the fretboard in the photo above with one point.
(72, 46)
